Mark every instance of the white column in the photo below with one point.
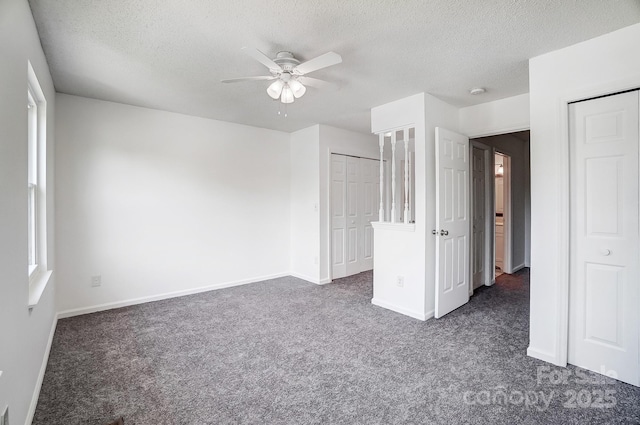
(393, 176)
(406, 176)
(381, 210)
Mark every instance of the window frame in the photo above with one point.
(32, 182)
(38, 272)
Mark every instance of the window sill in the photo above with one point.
(37, 285)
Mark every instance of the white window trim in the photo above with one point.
(38, 273)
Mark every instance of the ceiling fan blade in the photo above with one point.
(314, 82)
(320, 62)
(239, 80)
(262, 58)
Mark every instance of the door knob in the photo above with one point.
(606, 252)
(444, 232)
(434, 232)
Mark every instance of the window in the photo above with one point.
(36, 188)
(32, 181)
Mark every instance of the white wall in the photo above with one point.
(162, 203)
(498, 117)
(417, 265)
(605, 64)
(305, 204)
(518, 150)
(411, 254)
(25, 334)
(311, 150)
(336, 140)
(399, 250)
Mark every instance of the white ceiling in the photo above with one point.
(172, 54)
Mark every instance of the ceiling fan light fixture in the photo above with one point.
(275, 89)
(287, 94)
(297, 88)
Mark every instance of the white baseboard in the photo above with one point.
(544, 356)
(43, 368)
(310, 279)
(518, 268)
(142, 300)
(402, 310)
(305, 277)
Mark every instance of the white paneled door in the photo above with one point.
(478, 271)
(370, 200)
(353, 216)
(452, 219)
(338, 215)
(355, 192)
(604, 294)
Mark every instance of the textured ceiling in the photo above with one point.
(172, 54)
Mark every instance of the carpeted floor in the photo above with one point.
(288, 352)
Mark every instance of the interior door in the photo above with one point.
(353, 216)
(604, 286)
(452, 218)
(478, 270)
(338, 216)
(370, 200)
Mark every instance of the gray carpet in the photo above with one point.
(288, 352)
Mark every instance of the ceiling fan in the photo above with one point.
(289, 74)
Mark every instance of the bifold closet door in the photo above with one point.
(355, 189)
(604, 290)
(369, 203)
(338, 215)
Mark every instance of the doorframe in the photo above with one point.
(507, 216)
(489, 208)
(344, 152)
(564, 214)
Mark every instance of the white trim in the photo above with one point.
(43, 367)
(37, 285)
(475, 134)
(310, 279)
(401, 310)
(507, 213)
(490, 214)
(134, 301)
(401, 227)
(518, 268)
(543, 355)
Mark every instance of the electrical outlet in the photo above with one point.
(96, 281)
(4, 419)
(400, 281)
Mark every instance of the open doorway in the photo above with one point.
(500, 203)
(502, 208)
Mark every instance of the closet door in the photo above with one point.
(355, 197)
(604, 289)
(354, 231)
(338, 216)
(369, 203)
